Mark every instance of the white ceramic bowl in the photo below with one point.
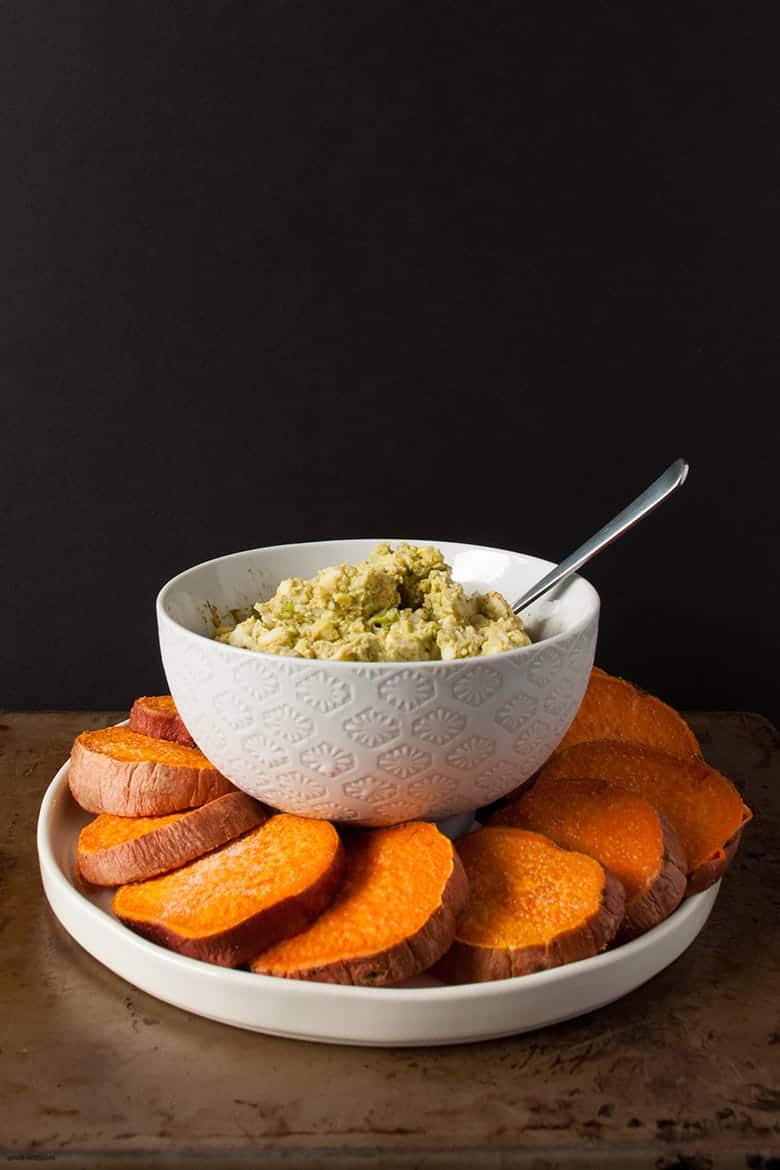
(382, 742)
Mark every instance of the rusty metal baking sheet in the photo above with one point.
(684, 1073)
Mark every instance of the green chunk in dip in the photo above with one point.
(399, 605)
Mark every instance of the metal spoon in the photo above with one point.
(650, 498)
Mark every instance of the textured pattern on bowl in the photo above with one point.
(381, 742)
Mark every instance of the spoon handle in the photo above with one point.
(650, 498)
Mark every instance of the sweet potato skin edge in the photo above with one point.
(159, 725)
(711, 871)
(665, 893)
(174, 845)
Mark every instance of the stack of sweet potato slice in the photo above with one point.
(651, 752)
(160, 803)
(619, 825)
(206, 871)
(621, 831)
(628, 789)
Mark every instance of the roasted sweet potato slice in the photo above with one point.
(157, 715)
(393, 918)
(703, 807)
(230, 905)
(621, 830)
(615, 709)
(531, 906)
(120, 771)
(115, 850)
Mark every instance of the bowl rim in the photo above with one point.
(348, 665)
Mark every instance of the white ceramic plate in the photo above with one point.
(413, 1015)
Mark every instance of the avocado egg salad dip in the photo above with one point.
(399, 605)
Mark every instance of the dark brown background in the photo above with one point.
(279, 271)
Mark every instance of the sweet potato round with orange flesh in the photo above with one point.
(531, 906)
(115, 850)
(228, 906)
(701, 805)
(393, 917)
(620, 830)
(120, 771)
(157, 715)
(615, 709)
